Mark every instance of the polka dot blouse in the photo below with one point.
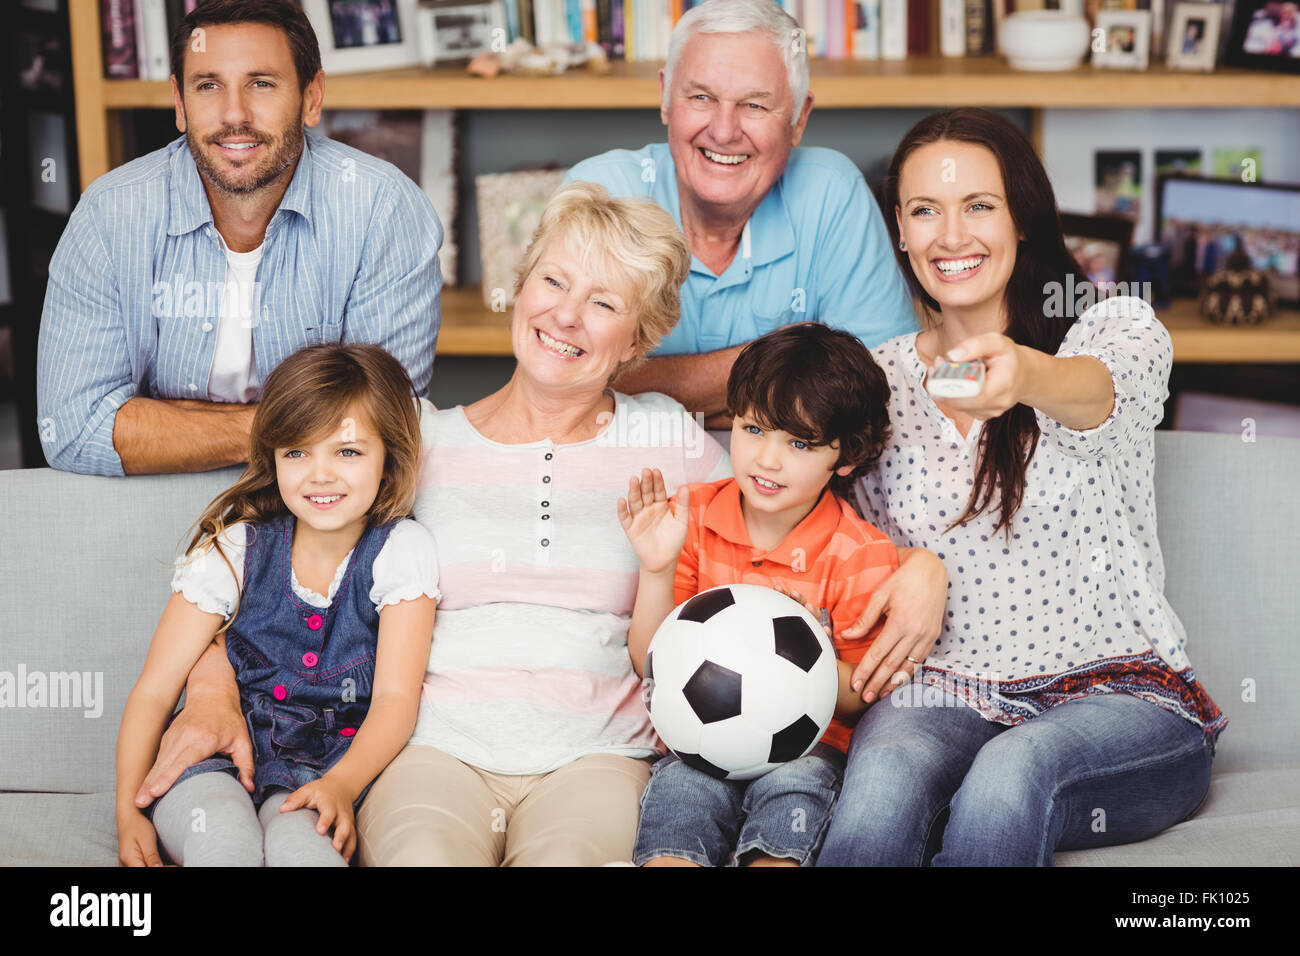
(1074, 602)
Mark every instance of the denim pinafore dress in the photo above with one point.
(305, 674)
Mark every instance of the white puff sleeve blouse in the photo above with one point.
(405, 568)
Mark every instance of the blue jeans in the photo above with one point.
(1096, 771)
(784, 813)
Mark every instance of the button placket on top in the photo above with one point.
(542, 526)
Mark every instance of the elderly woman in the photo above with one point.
(778, 234)
(533, 744)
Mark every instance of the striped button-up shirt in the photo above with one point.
(136, 284)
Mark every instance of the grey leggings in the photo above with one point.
(208, 820)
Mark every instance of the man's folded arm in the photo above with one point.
(154, 436)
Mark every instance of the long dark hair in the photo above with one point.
(1007, 443)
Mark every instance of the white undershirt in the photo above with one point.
(232, 366)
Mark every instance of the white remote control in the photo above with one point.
(956, 379)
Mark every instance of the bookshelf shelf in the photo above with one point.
(836, 84)
(470, 328)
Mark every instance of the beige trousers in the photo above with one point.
(429, 809)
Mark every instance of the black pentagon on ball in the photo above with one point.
(706, 604)
(790, 743)
(713, 693)
(649, 666)
(796, 642)
(699, 763)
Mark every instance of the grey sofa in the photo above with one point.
(84, 566)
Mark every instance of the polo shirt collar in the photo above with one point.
(768, 235)
(723, 516)
(189, 208)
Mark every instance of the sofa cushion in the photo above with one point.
(85, 564)
(1250, 818)
(57, 829)
(1228, 517)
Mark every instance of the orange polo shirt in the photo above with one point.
(832, 558)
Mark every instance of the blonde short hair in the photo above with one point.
(627, 244)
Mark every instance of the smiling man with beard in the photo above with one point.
(185, 276)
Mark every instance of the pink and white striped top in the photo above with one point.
(529, 667)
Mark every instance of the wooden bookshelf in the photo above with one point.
(470, 328)
(836, 84)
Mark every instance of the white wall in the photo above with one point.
(1070, 137)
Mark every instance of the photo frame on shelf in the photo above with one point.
(509, 209)
(1194, 36)
(1100, 245)
(360, 35)
(1127, 39)
(457, 32)
(1265, 35)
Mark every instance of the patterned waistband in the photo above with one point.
(1146, 676)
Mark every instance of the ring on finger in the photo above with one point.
(912, 659)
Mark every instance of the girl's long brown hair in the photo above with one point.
(1007, 443)
(305, 397)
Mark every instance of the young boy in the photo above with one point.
(810, 411)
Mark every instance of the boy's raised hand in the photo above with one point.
(654, 523)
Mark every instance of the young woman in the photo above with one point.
(1057, 709)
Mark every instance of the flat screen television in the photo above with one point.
(1204, 220)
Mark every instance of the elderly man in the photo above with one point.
(186, 276)
(778, 234)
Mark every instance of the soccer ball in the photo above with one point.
(743, 679)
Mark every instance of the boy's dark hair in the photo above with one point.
(284, 15)
(820, 384)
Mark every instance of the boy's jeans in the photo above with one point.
(784, 813)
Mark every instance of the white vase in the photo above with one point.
(1044, 40)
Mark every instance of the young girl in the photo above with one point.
(1057, 709)
(324, 594)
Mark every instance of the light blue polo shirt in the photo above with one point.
(814, 250)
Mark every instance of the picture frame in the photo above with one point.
(1265, 35)
(357, 36)
(457, 32)
(1100, 245)
(1194, 36)
(1128, 39)
(509, 209)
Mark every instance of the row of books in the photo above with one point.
(834, 29)
(136, 33)
(137, 36)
